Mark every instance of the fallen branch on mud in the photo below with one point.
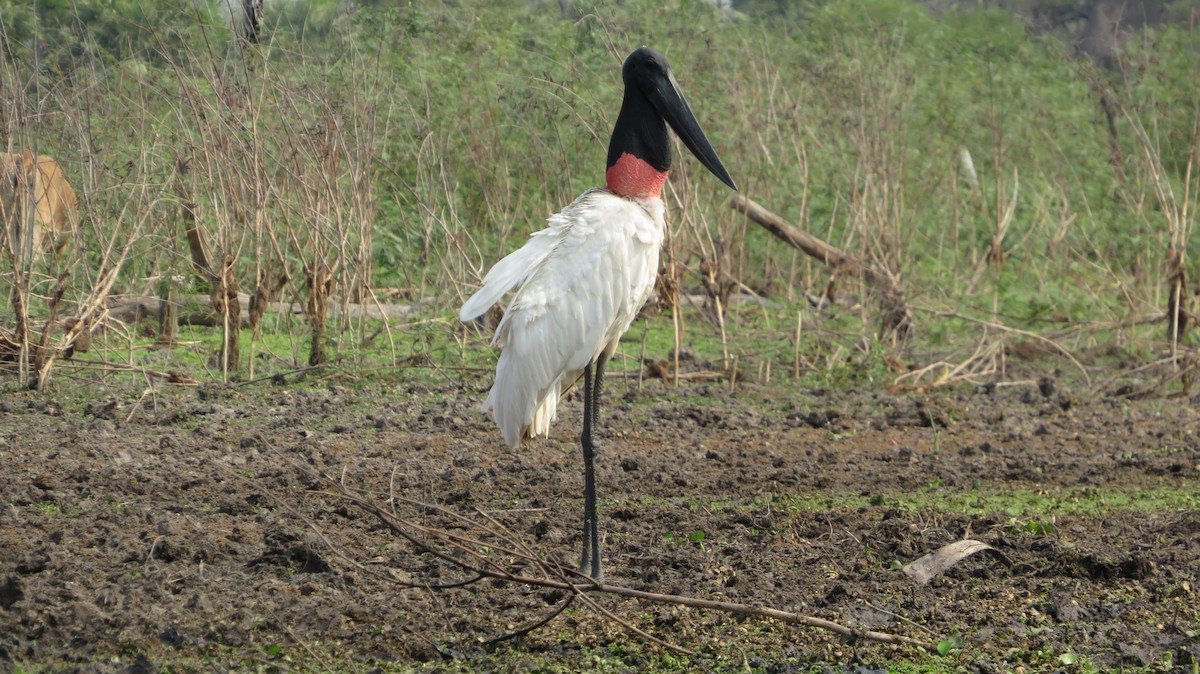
(462, 551)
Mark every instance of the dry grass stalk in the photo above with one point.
(981, 365)
(994, 260)
(168, 314)
(1180, 214)
(666, 287)
(796, 345)
(227, 305)
(1181, 366)
(1052, 344)
(716, 292)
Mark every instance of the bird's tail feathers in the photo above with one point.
(521, 407)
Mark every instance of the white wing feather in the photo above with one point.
(582, 281)
(509, 272)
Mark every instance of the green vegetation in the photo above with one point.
(366, 150)
(54, 510)
(1015, 502)
(1024, 505)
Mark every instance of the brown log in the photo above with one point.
(198, 310)
(897, 317)
(321, 284)
(795, 236)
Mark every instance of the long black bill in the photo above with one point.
(668, 99)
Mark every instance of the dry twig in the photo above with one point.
(461, 551)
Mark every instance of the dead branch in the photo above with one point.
(981, 364)
(1179, 222)
(831, 257)
(167, 376)
(1024, 333)
(462, 553)
(191, 228)
(90, 313)
(897, 316)
(198, 309)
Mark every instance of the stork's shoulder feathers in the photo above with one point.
(568, 229)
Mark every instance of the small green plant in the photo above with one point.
(945, 646)
(1034, 527)
(54, 510)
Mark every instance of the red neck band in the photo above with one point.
(633, 177)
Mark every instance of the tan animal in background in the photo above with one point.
(53, 203)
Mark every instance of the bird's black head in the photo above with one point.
(644, 68)
(652, 97)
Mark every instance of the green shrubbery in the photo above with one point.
(475, 120)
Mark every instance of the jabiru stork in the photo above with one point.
(582, 280)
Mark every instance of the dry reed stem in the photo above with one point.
(1179, 215)
(994, 259)
(1190, 358)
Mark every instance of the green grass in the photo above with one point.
(1020, 502)
(614, 659)
(1024, 503)
(54, 510)
(845, 118)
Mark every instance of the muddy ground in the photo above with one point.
(189, 529)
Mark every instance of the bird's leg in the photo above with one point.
(590, 562)
(590, 534)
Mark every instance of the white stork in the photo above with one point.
(582, 280)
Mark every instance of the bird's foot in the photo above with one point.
(595, 574)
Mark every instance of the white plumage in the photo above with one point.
(580, 283)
